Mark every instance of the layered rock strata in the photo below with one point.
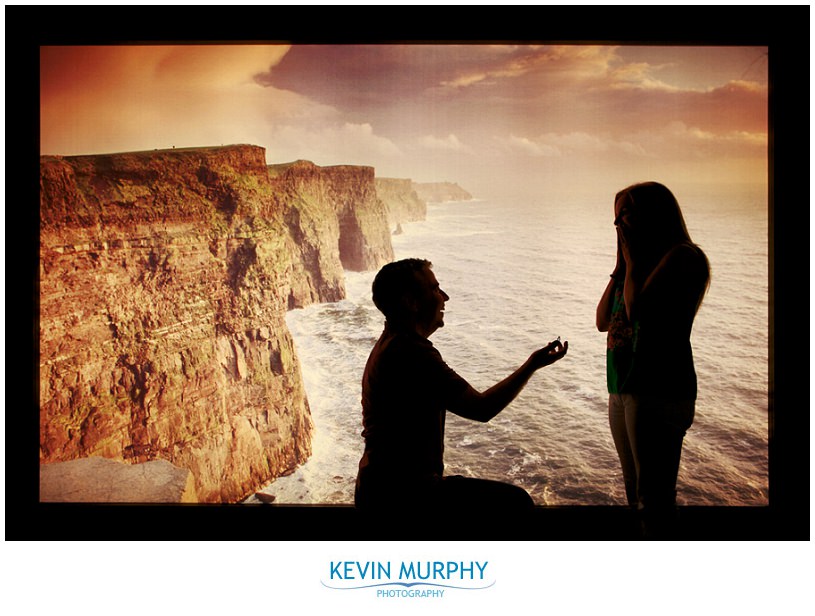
(164, 281)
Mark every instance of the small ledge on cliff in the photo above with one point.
(100, 480)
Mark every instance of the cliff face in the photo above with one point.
(337, 206)
(164, 281)
(314, 228)
(436, 192)
(401, 200)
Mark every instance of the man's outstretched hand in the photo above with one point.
(549, 354)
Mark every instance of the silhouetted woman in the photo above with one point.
(648, 310)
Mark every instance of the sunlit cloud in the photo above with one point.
(529, 147)
(735, 141)
(450, 142)
(144, 97)
(214, 67)
(576, 61)
(572, 144)
(641, 76)
(578, 142)
(638, 76)
(442, 112)
(331, 145)
(740, 85)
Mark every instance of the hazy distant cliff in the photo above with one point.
(436, 192)
(401, 200)
(164, 281)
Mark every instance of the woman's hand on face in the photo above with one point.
(619, 267)
(624, 244)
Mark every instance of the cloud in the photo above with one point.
(529, 147)
(575, 144)
(111, 70)
(212, 67)
(703, 142)
(431, 110)
(578, 142)
(348, 143)
(576, 62)
(638, 76)
(451, 142)
(101, 99)
(673, 141)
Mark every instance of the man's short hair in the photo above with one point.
(395, 282)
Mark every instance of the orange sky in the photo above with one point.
(547, 117)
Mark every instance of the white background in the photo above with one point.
(270, 578)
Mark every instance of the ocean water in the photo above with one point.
(519, 274)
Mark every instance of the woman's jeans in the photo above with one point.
(648, 432)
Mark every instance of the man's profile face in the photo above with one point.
(429, 303)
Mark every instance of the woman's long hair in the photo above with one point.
(658, 211)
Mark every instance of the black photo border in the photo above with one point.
(783, 29)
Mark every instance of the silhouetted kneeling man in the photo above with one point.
(407, 389)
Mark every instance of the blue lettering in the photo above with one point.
(352, 570)
(481, 568)
(362, 571)
(406, 572)
(423, 570)
(335, 570)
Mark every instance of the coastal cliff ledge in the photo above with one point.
(99, 480)
(165, 276)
